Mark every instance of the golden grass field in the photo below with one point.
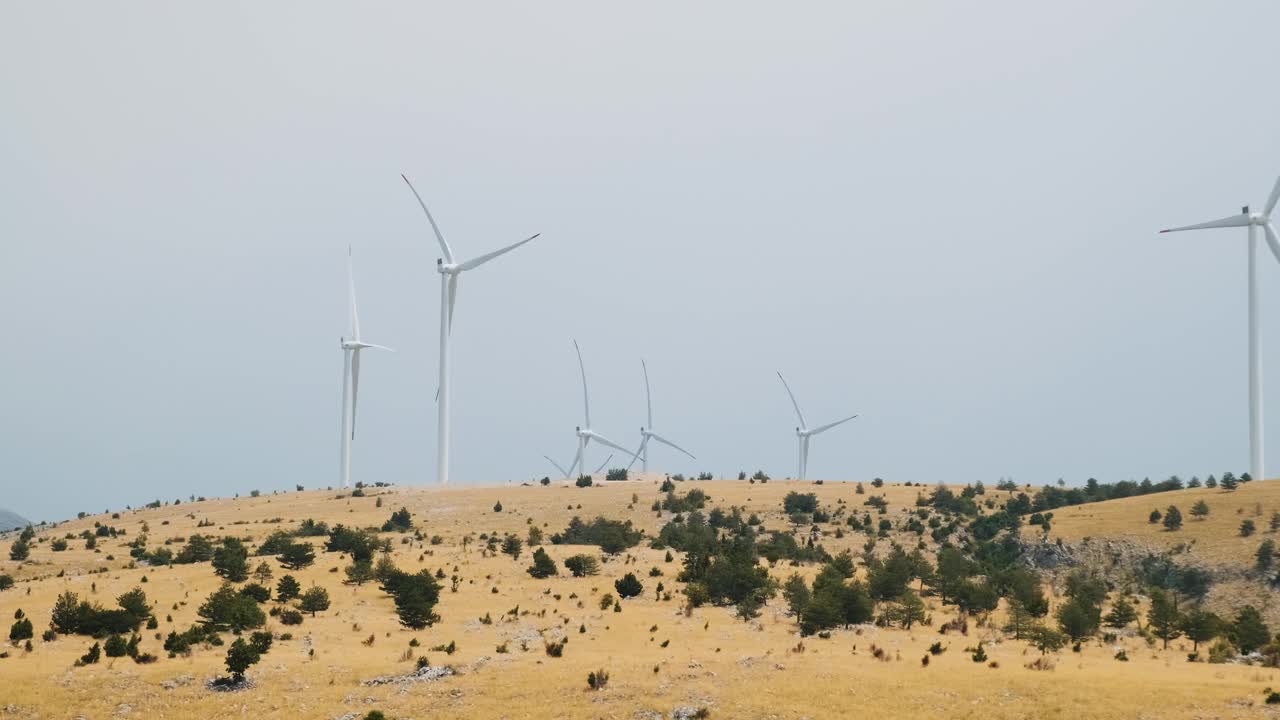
(713, 660)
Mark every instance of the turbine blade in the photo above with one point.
(1275, 197)
(606, 462)
(444, 246)
(355, 387)
(1272, 241)
(665, 441)
(558, 467)
(1240, 220)
(380, 347)
(577, 459)
(648, 400)
(639, 452)
(453, 299)
(793, 399)
(609, 443)
(351, 293)
(586, 403)
(477, 262)
(828, 426)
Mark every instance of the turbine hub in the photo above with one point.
(445, 268)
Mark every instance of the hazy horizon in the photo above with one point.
(941, 218)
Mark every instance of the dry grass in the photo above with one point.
(737, 669)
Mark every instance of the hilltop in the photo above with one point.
(499, 627)
(10, 520)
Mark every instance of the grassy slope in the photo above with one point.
(741, 670)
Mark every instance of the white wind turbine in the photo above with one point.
(584, 431)
(1252, 221)
(449, 271)
(647, 433)
(351, 347)
(803, 433)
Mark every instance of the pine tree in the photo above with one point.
(1163, 617)
(240, 657)
(1265, 555)
(1122, 613)
(1228, 482)
(1249, 630)
(287, 589)
(231, 560)
(1172, 518)
(296, 556)
(543, 566)
(314, 600)
(1200, 510)
(1200, 626)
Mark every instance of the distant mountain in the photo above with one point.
(10, 520)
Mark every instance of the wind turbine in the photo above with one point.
(1252, 221)
(449, 271)
(803, 433)
(584, 431)
(647, 433)
(351, 347)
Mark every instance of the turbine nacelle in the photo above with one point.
(445, 268)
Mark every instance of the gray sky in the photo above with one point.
(940, 216)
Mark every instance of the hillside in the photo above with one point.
(10, 520)
(658, 657)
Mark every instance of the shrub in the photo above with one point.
(91, 657)
(227, 609)
(21, 630)
(314, 600)
(582, 565)
(628, 586)
(259, 593)
(598, 679)
(297, 555)
(543, 566)
(554, 649)
(290, 617)
(287, 589)
(583, 481)
(400, 521)
(115, 646)
(611, 536)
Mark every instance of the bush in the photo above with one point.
(314, 600)
(543, 566)
(21, 630)
(611, 536)
(91, 657)
(401, 521)
(600, 678)
(583, 481)
(227, 609)
(115, 646)
(628, 586)
(6, 581)
(290, 617)
(297, 555)
(257, 592)
(582, 565)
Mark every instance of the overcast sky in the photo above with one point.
(938, 215)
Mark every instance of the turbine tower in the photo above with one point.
(1252, 221)
(647, 433)
(449, 271)
(584, 431)
(351, 347)
(803, 433)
